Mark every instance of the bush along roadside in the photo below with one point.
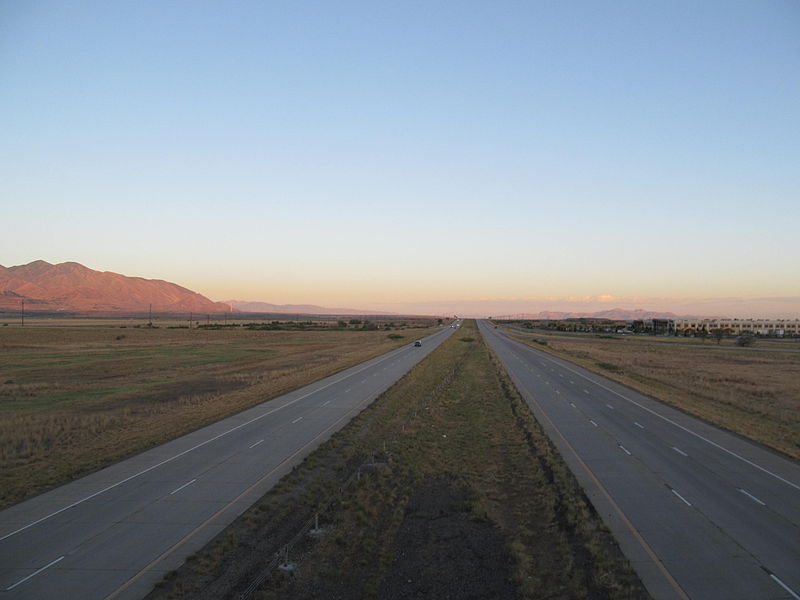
(445, 486)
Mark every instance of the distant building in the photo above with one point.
(662, 326)
(778, 327)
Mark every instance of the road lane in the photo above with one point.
(117, 531)
(669, 486)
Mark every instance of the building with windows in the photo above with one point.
(778, 327)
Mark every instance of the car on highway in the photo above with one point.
(417, 344)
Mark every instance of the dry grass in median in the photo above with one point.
(462, 495)
(74, 399)
(753, 393)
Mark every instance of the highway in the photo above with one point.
(700, 512)
(116, 532)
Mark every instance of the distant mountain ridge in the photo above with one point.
(301, 309)
(72, 287)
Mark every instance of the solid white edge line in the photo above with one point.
(681, 497)
(784, 586)
(676, 424)
(749, 495)
(256, 444)
(23, 580)
(183, 486)
(391, 354)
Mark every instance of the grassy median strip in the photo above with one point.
(750, 392)
(444, 487)
(76, 399)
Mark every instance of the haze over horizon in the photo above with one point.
(481, 158)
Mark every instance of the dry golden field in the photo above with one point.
(73, 399)
(748, 391)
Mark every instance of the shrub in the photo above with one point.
(745, 339)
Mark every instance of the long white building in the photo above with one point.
(787, 327)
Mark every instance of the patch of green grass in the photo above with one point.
(202, 355)
(609, 367)
(55, 400)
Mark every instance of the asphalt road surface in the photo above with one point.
(700, 512)
(115, 532)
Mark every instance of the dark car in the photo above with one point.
(417, 344)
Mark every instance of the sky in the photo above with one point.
(408, 155)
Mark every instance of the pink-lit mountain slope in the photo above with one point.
(71, 287)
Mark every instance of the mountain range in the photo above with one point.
(71, 287)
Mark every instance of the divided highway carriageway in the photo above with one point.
(701, 513)
(115, 532)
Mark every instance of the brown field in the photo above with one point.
(73, 399)
(459, 493)
(727, 342)
(750, 392)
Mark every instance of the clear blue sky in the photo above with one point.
(370, 153)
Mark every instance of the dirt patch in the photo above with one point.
(442, 551)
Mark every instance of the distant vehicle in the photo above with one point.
(417, 344)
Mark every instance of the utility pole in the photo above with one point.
(23, 313)
(151, 315)
(190, 319)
